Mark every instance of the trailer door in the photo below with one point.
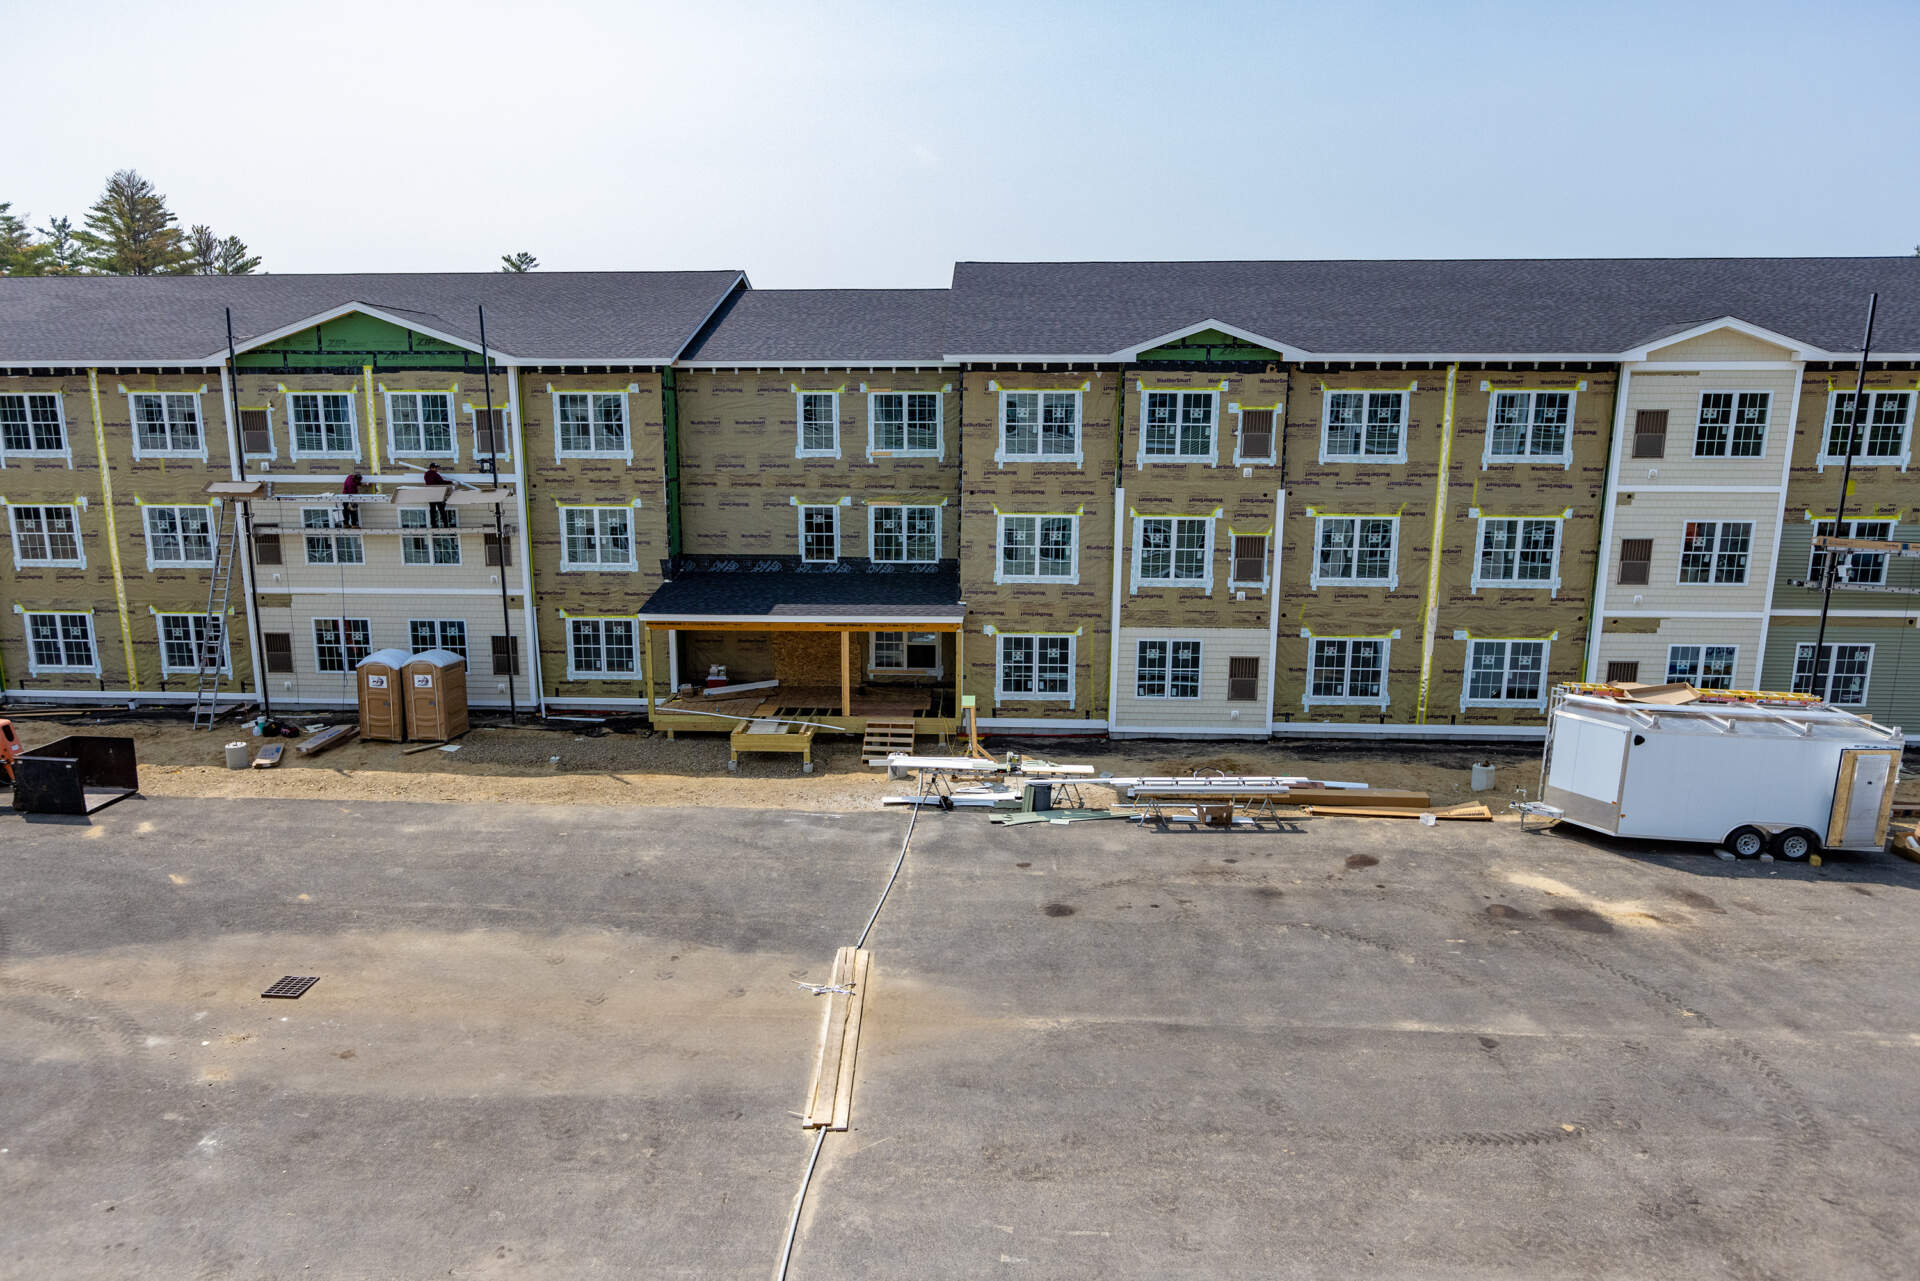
(1862, 798)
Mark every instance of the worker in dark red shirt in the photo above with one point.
(437, 509)
(350, 511)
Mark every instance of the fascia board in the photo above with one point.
(334, 313)
(1796, 349)
(1286, 350)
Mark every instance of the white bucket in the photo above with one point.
(239, 756)
(1483, 776)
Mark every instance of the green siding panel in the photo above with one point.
(358, 339)
(1893, 684)
(1210, 345)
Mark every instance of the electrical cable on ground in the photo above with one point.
(820, 1136)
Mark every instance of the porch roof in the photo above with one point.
(780, 591)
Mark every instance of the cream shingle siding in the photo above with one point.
(1679, 394)
(1721, 344)
(388, 617)
(1212, 712)
(1663, 518)
(1649, 648)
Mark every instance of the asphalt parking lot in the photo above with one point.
(553, 1041)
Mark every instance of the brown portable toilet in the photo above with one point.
(382, 701)
(436, 689)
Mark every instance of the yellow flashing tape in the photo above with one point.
(113, 536)
(1140, 385)
(1410, 387)
(1137, 514)
(611, 507)
(1396, 514)
(993, 385)
(1307, 633)
(798, 390)
(1431, 614)
(373, 423)
(1250, 533)
(1081, 510)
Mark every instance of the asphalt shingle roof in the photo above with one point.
(560, 316)
(1559, 306)
(783, 588)
(807, 326)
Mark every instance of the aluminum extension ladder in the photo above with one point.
(211, 644)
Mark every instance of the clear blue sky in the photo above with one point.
(843, 145)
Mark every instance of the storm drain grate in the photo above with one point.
(292, 987)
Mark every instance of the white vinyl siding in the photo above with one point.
(1685, 397)
(1177, 426)
(903, 424)
(1347, 671)
(1518, 551)
(903, 535)
(1364, 427)
(1885, 433)
(179, 537)
(1356, 551)
(321, 424)
(166, 425)
(1505, 673)
(1530, 427)
(1038, 549)
(420, 424)
(1173, 551)
(46, 536)
(597, 538)
(1039, 426)
(1034, 667)
(1180, 681)
(61, 644)
(32, 425)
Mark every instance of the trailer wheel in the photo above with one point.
(1746, 842)
(1795, 843)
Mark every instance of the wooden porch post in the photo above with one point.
(646, 665)
(959, 665)
(846, 673)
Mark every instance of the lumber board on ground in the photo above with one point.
(422, 747)
(1377, 797)
(1483, 815)
(850, 1043)
(327, 739)
(269, 756)
(833, 1031)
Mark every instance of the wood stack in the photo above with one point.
(886, 737)
(1472, 811)
(830, 1095)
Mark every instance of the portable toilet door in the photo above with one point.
(436, 691)
(382, 701)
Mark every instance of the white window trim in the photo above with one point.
(273, 448)
(560, 455)
(35, 668)
(1000, 692)
(65, 452)
(453, 428)
(1365, 460)
(632, 563)
(1200, 687)
(800, 449)
(1546, 665)
(639, 642)
(1266, 561)
(1239, 413)
(999, 541)
(800, 516)
(1203, 584)
(1766, 437)
(1866, 680)
(939, 426)
(873, 510)
(313, 629)
(1549, 585)
(353, 425)
(938, 669)
(159, 631)
(1703, 647)
(1309, 699)
(1391, 582)
(200, 422)
(1563, 459)
(213, 535)
(505, 443)
(1719, 526)
(79, 540)
(1211, 456)
(1077, 458)
(1862, 459)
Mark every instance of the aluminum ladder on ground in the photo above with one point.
(211, 644)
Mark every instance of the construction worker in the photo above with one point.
(438, 508)
(350, 511)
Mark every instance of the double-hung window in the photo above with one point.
(904, 424)
(421, 423)
(1883, 434)
(1839, 677)
(1167, 669)
(1529, 426)
(329, 548)
(1716, 551)
(61, 643)
(903, 535)
(1348, 670)
(1040, 426)
(1035, 667)
(1357, 551)
(46, 535)
(441, 547)
(1702, 666)
(322, 426)
(600, 647)
(1505, 673)
(1364, 427)
(1173, 551)
(1860, 568)
(1732, 424)
(819, 534)
(1039, 549)
(906, 652)
(340, 643)
(1518, 552)
(438, 633)
(179, 537)
(31, 425)
(189, 642)
(596, 538)
(818, 413)
(592, 424)
(166, 425)
(1177, 426)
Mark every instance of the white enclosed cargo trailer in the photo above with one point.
(1793, 779)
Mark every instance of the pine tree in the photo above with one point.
(522, 261)
(63, 248)
(203, 251)
(235, 260)
(20, 255)
(131, 232)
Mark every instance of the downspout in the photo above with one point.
(1609, 502)
(236, 446)
(1430, 624)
